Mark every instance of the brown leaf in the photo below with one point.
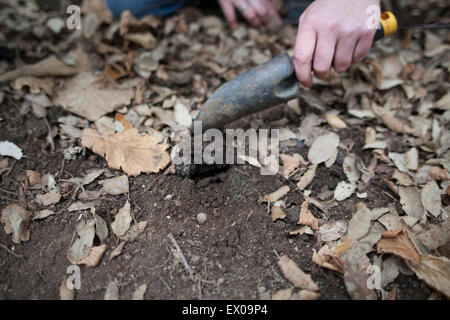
(134, 231)
(359, 224)
(82, 244)
(87, 97)
(16, 219)
(50, 66)
(65, 293)
(435, 271)
(35, 84)
(307, 178)
(335, 122)
(277, 213)
(307, 218)
(128, 151)
(122, 220)
(94, 257)
(392, 122)
(289, 164)
(323, 148)
(437, 173)
(295, 275)
(328, 257)
(276, 195)
(117, 251)
(399, 242)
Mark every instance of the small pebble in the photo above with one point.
(201, 218)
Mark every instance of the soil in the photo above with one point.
(234, 253)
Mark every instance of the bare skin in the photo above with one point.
(256, 12)
(332, 33)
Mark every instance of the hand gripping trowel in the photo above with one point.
(264, 86)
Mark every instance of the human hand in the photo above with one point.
(256, 12)
(332, 33)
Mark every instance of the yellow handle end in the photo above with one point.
(389, 22)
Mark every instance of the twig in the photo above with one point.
(10, 251)
(182, 257)
(52, 143)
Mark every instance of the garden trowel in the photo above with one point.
(264, 86)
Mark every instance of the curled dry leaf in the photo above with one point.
(35, 84)
(42, 214)
(306, 217)
(328, 257)
(122, 220)
(435, 271)
(94, 257)
(134, 231)
(323, 148)
(289, 164)
(34, 177)
(295, 275)
(276, 195)
(412, 159)
(391, 122)
(101, 228)
(16, 219)
(350, 168)
(117, 251)
(399, 242)
(307, 178)
(128, 151)
(335, 122)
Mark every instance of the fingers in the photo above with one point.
(305, 44)
(362, 47)
(323, 56)
(344, 54)
(229, 13)
(248, 12)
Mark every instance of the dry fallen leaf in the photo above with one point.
(82, 244)
(359, 225)
(289, 164)
(399, 242)
(101, 228)
(50, 66)
(134, 231)
(306, 217)
(435, 236)
(94, 256)
(128, 151)
(295, 275)
(431, 198)
(411, 202)
(117, 251)
(354, 263)
(437, 173)
(323, 148)
(435, 271)
(10, 149)
(307, 178)
(277, 213)
(85, 96)
(112, 291)
(16, 219)
(276, 195)
(139, 293)
(122, 220)
(328, 257)
(65, 293)
(332, 231)
(115, 186)
(391, 121)
(335, 122)
(34, 177)
(344, 190)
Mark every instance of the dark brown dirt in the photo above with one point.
(234, 253)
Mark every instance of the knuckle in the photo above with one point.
(300, 57)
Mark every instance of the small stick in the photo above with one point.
(177, 247)
(10, 251)
(52, 143)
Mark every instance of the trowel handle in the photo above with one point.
(388, 26)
